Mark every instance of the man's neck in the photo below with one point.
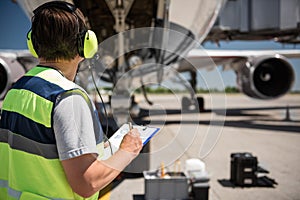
(68, 68)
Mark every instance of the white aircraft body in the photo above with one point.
(145, 42)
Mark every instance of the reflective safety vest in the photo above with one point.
(30, 168)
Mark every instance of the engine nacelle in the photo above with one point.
(13, 64)
(5, 78)
(266, 77)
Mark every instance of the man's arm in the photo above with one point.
(75, 137)
(87, 175)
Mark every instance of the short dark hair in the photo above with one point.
(55, 32)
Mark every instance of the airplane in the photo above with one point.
(146, 42)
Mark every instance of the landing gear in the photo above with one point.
(186, 103)
(200, 101)
(192, 104)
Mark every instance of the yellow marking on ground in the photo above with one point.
(104, 194)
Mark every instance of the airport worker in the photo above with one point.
(51, 140)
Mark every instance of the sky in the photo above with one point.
(15, 25)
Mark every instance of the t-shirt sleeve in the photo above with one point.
(73, 127)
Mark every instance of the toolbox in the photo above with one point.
(173, 187)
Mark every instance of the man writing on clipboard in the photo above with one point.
(51, 138)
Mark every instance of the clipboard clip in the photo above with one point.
(131, 127)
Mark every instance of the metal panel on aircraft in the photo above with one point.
(253, 15)
(265, 14)
(290, 14)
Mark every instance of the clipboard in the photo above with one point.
(146, 133)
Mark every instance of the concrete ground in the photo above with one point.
(270, 130)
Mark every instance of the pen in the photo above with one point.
(130, 126)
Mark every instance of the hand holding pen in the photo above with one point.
(131, 141)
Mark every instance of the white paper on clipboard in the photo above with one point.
(146, 133)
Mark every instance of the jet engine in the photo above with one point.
(12, 66)
(266, 77)
(3, 79)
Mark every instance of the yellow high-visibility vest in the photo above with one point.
(29, 164)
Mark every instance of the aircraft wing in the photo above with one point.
(204, 58)
(289, 53)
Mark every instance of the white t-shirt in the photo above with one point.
(76, 127)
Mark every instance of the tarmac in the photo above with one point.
(268, 129)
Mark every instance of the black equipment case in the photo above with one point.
(243, 169)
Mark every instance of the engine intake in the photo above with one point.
(3, 79)
(266, 77)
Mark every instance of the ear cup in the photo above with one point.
(30, 45)
(90, 44)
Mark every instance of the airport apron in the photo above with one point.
(29, 165)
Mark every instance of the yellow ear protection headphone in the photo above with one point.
(87, 44)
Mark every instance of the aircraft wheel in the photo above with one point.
(185, 103)
(200, 101)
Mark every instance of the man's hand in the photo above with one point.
(132, 142)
